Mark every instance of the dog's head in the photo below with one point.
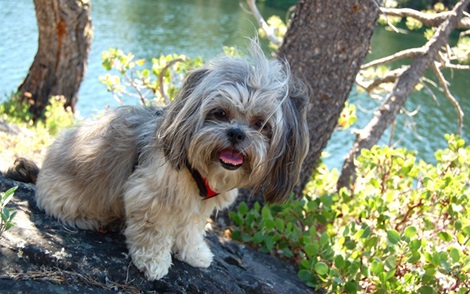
(240, 122)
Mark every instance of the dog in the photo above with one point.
(237, 122)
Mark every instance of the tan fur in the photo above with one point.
(130, 165)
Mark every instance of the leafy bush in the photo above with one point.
(32, 139)
(159, 83)
(7, 215)
(404, 228)
(56, 116)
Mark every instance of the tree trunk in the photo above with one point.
(58, 68)
(386, 114)
(325, 44)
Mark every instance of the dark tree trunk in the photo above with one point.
(325, 44)
(58, 68)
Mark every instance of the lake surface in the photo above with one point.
(149, 28)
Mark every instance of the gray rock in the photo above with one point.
(41, 253)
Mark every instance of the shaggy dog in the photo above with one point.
(236, 123)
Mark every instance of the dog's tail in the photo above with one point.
(23, 170)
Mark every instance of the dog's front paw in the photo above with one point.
(199, 256)
(154, 268)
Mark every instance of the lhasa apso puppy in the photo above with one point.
(235, 123)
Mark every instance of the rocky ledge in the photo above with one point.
(40, 253)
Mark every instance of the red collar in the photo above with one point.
(205, 191)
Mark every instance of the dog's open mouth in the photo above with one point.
(231, 159)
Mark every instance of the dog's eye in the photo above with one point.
(220, 114)
(261, 125)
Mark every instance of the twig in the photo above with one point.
(389, 77)
(449, 95)
(130, 80)
(408, 53)
(160, 79)
(430, 20)
(434, 97)
(262, 23)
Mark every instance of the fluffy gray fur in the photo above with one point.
(130, 164)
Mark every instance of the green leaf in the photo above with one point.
(414, 245)
(321, 268)
(324, 239)
(269, 223)
(454, 254)
(426, 290)
(236, 218)
(445, 236)
(246, 237)
(466, 231)
(351, 287)
(304, 275)
(377, 268)
(258, 238)
(339, 262)
(371, 242)
(236, 235)
(265, 213)
(410, 232)
(311, 250)
(243, 208)
(393, 237)
(8, 195)
(414, 258)
(279, 224)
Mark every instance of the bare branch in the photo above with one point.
(132, 83)
(408, 53)
(262, 23)
(449, 95)
(434, 97)
(160, 79)
(430, 20)
(389, 77)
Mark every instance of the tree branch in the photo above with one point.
(387, 113)
(389, 77)
(162, 75)
(449, 95)
(407, 53)
(430, 20)
(262, 23)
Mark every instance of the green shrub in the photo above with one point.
(56, 116)
(404, 228)
(14, 111)
(7, 214)
(158, 83)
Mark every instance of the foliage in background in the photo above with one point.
(56, 117)
(158, 83)
(7, 214)
(405, 228)
(29, 139)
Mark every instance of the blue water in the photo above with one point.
(149, 28)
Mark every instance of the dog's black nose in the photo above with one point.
(235, 135)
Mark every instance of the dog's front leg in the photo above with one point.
(149, 246)
(149, 233)
(190, 246)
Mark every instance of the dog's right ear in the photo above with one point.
(181, 119)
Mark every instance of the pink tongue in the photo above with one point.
(231, 157)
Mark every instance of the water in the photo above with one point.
(149, 28)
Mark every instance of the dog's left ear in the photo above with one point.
(180, 120)
(289, 154)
